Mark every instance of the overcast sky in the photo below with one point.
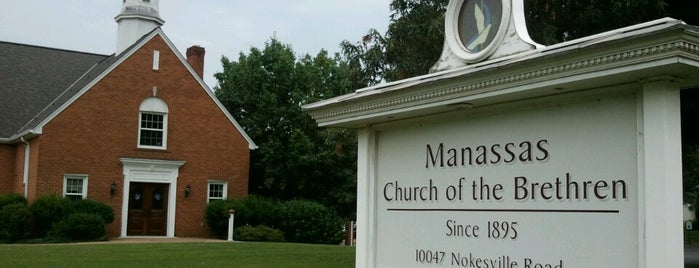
(223, 27)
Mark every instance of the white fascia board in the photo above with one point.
(27, 135)
(148, 162)
(539, 88)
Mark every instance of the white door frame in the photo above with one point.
(151, 171)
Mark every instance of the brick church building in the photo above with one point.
(138, 130)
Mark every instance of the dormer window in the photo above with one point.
(152, 129)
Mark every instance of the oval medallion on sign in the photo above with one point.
(479, 22)
(474, 28)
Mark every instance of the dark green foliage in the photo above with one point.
(690, 147)
(79, 227)
(258, 233)
(310, 222)
(46, 211)
(15, 223)
(550, 22)
(91, 206)
(56, 218)
(216, 216)
(690, 176)
(12, 199)
(256, 210)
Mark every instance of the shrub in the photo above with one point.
(299, 221)
(216, 215)
(91, 206)
(311, 222)
(46, 211)
(12, 199)
(15, 222)
(258, 233)
(252, 210)
(79, 227)
(256, 210)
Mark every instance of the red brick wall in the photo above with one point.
(101, 127)
(7, 168)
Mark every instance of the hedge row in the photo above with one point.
(53, 218)
(261, 219)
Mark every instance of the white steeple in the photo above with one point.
(137, 18)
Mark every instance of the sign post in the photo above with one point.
(231, 215)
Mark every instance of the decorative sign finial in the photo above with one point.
(478, 30)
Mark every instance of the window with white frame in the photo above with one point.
(152, 128)
(75, 187)
(217, 191)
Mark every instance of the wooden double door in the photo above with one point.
(147, 209)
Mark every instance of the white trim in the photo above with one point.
(82, 177)
(155, 106)
(153, 171)
(156, 60)
(208, 190)
(26, 166)
(164, 130)
(367, 147)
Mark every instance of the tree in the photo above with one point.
(411, 45)
(415, 35)
(264, 91)
(550, 22)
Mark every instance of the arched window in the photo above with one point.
(152, 128)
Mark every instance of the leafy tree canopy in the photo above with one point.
(415, 35)
(264, 90)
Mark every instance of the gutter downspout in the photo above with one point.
(25, 175)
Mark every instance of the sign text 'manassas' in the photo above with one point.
(524, 152)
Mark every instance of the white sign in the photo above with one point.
(546, 187)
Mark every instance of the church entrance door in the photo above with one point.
(147, 209)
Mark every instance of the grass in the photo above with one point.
(177, 255)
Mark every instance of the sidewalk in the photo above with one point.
(147, 239)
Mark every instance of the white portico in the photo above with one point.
(517, 154)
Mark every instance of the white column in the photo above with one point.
(366, 191)
(660, 175)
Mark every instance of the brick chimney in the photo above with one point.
(195, 57)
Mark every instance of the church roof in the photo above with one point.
(33, 77)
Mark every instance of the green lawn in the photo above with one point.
(176, 255)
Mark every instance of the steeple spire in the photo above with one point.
(137, 18)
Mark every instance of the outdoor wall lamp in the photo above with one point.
(112, 189)
(187, 190)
